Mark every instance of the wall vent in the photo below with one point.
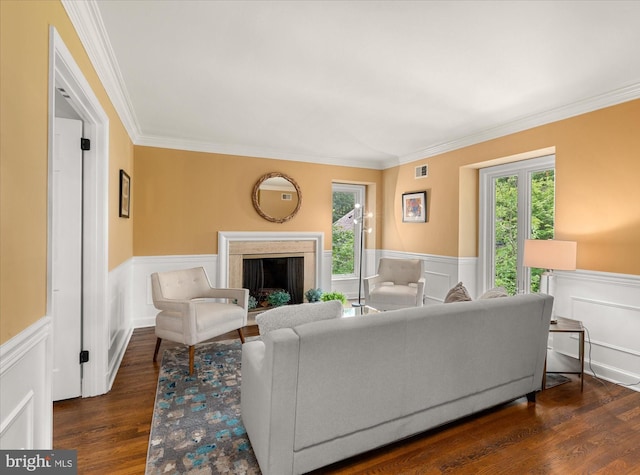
(422, 171)
(287, 196)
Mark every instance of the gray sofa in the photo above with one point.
(324, 391)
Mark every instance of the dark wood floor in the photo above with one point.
(565, 432)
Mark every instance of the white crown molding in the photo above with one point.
(618, 96)
(246, 151)
(86, 19)
(601, 101)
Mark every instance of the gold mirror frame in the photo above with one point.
(256, 197)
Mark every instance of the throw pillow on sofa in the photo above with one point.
(494, 293)
(458, 293)
(289, 316)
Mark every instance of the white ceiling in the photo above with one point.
(362, 83)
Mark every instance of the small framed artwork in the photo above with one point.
(125, 194)
(414, 207)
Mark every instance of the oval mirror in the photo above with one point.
(277, 197)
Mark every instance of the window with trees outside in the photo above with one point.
(345, 259)
(518, 203)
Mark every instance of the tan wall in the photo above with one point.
(184, 198)
(597, 191)
(24, 71)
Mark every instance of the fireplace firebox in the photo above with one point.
(265, 275)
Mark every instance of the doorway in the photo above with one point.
(517, 202)
(65, 75)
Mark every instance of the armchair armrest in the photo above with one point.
(171, 305)
(369, 283)
(420, 292)
(241, 295)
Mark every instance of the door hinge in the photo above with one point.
(85, 144)
(84, 356)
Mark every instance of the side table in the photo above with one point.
(560, 363)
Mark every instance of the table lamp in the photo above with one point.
(549, 255)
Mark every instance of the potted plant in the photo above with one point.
(313, 295)
(278, 298)
(253, 302)
(334, 296)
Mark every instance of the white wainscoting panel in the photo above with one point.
(609, 307)
(120, 316)
(144, 313)
(26, 410)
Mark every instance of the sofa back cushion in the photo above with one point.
(289, 316)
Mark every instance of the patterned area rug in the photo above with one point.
(196, 427)
(554, 379)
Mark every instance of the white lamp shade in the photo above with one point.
(550, 254)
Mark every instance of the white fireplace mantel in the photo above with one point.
(226, 237)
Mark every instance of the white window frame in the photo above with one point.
(360, 196)
(524, 169)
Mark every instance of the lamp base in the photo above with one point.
(548, 283)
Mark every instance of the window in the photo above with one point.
(517, 202)
(345, 259)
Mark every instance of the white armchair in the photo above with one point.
(191, 311)
(399, 283)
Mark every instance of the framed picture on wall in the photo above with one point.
(125, 194)
(414, 207)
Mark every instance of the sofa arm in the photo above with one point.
(268, 398)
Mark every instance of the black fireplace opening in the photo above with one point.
(265, 275)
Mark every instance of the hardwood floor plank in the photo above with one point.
(565, 432)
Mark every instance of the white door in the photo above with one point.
(66, 272)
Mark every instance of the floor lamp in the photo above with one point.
(550, 255)
(360, 223)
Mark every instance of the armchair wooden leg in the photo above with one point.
(192, 351)
(241, 335)
(155, 353)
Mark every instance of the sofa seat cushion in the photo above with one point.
(289, 316)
